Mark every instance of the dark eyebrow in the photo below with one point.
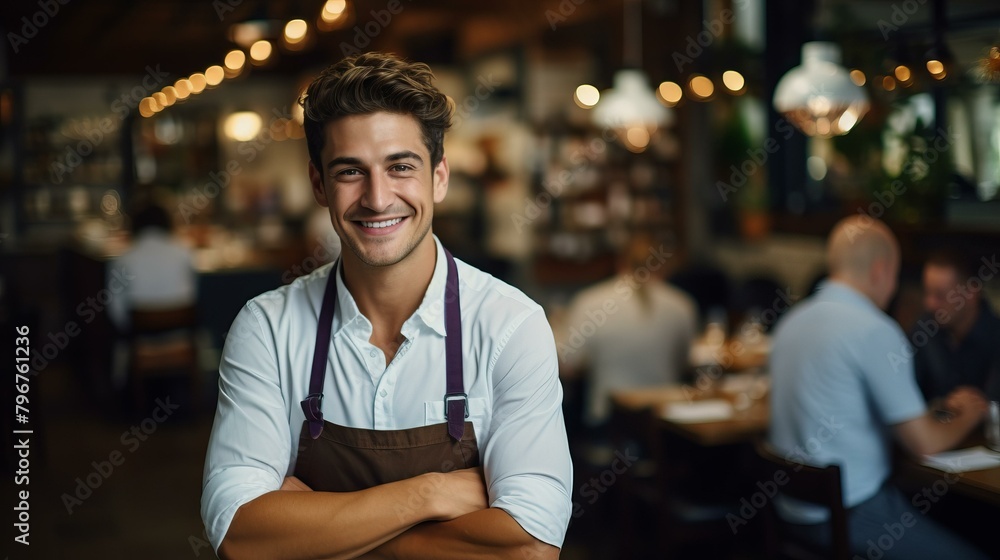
(343, 161)
(405, 154)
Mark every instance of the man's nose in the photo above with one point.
(378, 194)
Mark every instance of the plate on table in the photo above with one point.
(708, 410)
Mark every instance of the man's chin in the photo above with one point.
(377, 252)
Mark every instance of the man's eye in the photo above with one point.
(349, 172)
(400, 168)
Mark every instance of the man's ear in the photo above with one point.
(441, 175)
(880, 271)
(319, 191)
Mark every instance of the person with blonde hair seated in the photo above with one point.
(631, 330)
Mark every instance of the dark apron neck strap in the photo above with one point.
(455, 400)
(312, 405)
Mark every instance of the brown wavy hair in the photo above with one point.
(370, 83)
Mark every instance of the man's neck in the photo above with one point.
(388, 295)
(859, 287)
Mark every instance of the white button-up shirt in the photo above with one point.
(156, 272)
(510, 375)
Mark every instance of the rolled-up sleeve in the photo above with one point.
(526, 460)
(249, 449)
(889, 374)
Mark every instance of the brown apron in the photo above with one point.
(336, 458)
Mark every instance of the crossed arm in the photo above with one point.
(435, 515)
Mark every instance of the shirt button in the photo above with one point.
(372, 354)
(383, 393)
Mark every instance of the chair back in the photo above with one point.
(152, 321)
(807, 483)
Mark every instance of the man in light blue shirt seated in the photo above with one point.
(843, 384)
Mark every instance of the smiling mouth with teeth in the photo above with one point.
(385, 224)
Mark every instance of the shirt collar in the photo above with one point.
(152, 233)
(831, 290)
(430, 311)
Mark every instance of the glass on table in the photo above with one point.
(993, 426)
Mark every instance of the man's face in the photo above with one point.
(376, 178)
(942, 297)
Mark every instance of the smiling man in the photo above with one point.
(398, 403)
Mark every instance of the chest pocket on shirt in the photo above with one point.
(434, 414)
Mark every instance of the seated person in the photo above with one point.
(157, 272)
(836, 396)
(632, 330)
(960, 344)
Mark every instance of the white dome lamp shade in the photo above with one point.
(818, 97)
(631, 110)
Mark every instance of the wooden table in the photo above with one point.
(744, 426)
(708, 457)
(982, 485)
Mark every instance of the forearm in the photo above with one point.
(487, 534)
(927, 435)
(955, 431)
(333, 525)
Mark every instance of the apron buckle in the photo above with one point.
(312, 407)
(454, 397)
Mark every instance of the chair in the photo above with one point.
(660, 501)
(818, 485)
(632, 434)
(696, 487)
(161, 343)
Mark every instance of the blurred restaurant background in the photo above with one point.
(728, 135)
